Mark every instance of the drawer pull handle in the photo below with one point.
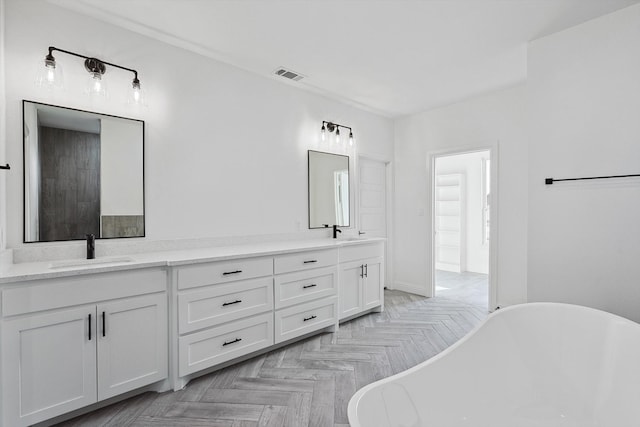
(104, 324)
(313, 285)
(309, 318)
(226, 273)
(362, 270)
(232, 302)
(89, 326)
(311, 261)
(232, 342)
(366, 270)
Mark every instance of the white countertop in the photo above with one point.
(43, 270)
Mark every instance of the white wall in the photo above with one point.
(584, 237)
(477, 123)
(470, 165)
(225, 149)
(121, 180)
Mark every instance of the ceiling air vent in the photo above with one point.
(288, 74)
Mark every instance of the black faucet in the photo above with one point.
(91, 246)
(336, 230)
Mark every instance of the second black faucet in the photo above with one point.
(336, 230)
(91, 246)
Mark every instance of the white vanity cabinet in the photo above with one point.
(361, 278)
(70, 342)
(224, 311)
(306, 286)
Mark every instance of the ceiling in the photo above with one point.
(391, 57)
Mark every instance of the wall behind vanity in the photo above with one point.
(225, 149)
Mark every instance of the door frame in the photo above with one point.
(388, 166)
(493, 148)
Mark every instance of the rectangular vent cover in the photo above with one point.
(288, 74)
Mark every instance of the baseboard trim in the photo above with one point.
(410, 288)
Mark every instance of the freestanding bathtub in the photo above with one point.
(539, 364)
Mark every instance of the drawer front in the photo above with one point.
(305, 261)
(304, 318)
(39, 295)
(193, 276)
(208, 348)
(303, 286)
(361, 251)
(218, 304)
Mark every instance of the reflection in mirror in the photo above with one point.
(328, 190)
(83, 174)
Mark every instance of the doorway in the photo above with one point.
(462, 206)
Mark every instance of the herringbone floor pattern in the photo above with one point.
(308, 383)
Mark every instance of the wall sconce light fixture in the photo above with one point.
(330, 127)
(51, 76)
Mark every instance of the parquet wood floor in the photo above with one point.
(308, 383)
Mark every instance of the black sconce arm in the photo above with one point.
(53, 48)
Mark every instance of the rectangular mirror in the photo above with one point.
(328, 190)
(83, 174)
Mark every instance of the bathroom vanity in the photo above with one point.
(74, 335)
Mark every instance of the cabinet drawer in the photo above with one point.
(304, 318)
(213, 346)
(361, 251)
(224, 271)
(39, 295)
(218, 304)
(305, 260)
(303, 286)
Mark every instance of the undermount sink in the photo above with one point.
(88, 262)
(352, 239)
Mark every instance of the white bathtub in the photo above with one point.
(539, 364)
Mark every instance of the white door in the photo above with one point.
(132, 344)
(49, 365)
(372, 199)
(350, 289)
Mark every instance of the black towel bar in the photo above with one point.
(550, 181)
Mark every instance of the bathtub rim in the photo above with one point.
(352, 408)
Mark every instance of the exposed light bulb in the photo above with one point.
(50, 77)
(350, 138)
(337, 135)
(51, 74)
(97, 86)
(136, 96)
(323, 133)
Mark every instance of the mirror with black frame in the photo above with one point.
(328, 190)
(83, 174)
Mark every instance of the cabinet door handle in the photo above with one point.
(232, 302)
(362, 270)
(232, 342)
(89, 326)
(313, 285)
(226, 273)
(311, 261)
(104, 324)
(309, 318)
(366, 270)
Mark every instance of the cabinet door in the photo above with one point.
(350, 301)
(49, 365)
(132, 344)
(372, 285)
